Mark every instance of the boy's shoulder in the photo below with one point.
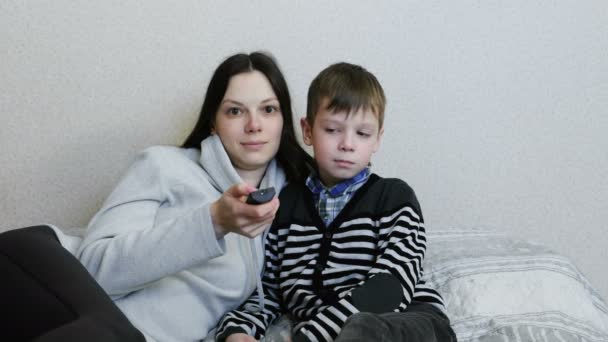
(381, 190)
(394, 192)
(393, 187)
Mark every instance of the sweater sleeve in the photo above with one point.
(389, 284)
(250, 318)
(126, 247)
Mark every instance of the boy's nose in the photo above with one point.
(346, 144)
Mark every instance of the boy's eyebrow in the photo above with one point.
(368, 126)
(333, 119)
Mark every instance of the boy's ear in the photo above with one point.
(306, 131)
(377, 146)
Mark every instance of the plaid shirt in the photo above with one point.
(329, 202)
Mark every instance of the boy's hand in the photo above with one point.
(240, 337)
(230, 213)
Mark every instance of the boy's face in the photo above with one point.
(343, 146)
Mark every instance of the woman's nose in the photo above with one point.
(254, 123)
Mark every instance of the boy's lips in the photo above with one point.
(343, 162)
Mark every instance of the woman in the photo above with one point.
(174, 245)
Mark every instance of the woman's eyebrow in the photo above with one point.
(270, 99)
(232, 101)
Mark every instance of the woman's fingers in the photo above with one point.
(257, 212)
(240, 337)
(256, 229)
(230, 213)
(240, 190)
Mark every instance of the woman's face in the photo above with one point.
(249, 121)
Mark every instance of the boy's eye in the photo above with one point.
(364, 134)
(330, 130)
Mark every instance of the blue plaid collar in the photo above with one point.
(313, 182)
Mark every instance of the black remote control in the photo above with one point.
(261, 196)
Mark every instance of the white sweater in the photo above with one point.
(153, 248)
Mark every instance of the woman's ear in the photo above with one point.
(306, 131)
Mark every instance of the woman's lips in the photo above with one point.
(253, 145)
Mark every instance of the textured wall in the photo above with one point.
(497, 110)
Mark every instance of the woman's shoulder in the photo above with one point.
(166, 161)
(166, 153)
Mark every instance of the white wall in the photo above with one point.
(497, 111)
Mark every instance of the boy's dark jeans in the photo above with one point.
(421, 322)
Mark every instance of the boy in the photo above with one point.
(344, 253)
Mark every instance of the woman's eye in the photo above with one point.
(234, 111)
(270, 109)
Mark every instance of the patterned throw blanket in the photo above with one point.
(498, 288)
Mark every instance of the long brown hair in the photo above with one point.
(291, 156)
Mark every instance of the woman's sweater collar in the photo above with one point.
(215, 161)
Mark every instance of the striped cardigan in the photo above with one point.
(368, 259)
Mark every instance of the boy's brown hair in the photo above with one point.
(347, 87)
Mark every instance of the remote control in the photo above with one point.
(261, 196)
